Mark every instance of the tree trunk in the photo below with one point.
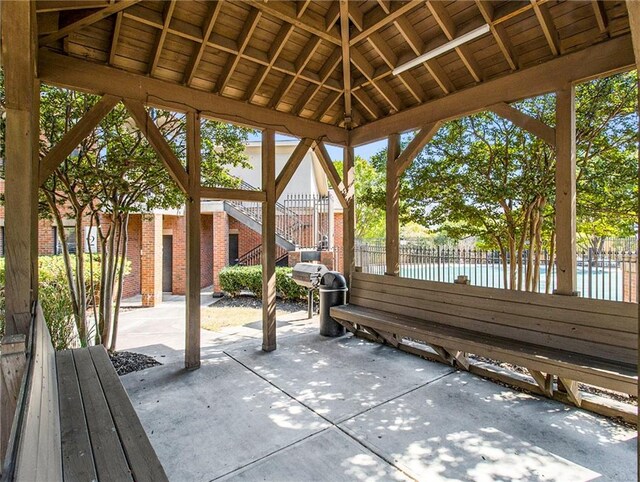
(122, 265)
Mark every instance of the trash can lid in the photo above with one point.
(333, 280)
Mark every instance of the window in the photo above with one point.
(70, 234)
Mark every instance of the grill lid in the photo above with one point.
(308, 274)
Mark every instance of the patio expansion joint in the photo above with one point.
(337, 423)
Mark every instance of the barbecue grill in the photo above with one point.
(309, 275)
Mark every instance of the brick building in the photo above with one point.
(307, 217)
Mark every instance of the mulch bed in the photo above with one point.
(253, 302)
(126, 362)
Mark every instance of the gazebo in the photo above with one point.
(340, 72)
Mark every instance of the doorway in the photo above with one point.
(233, 249)
(167, 263)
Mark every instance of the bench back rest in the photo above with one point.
(35, 447)
(606, 329)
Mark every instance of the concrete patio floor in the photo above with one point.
(347, 409)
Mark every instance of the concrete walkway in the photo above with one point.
(347, 409)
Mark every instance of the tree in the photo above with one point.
(370, 219)
(113, 173)
(482, 176)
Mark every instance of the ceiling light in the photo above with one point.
(456, 42)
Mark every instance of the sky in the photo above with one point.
(364, 151)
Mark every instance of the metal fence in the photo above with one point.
(606, 275)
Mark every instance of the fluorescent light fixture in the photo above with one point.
(456, 42)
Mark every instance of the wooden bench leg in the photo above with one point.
(570, 387)
(544, 381)
(384, 336)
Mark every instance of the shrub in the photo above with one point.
(54, 297)
(235, 279)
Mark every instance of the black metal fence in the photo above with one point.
(602, 274)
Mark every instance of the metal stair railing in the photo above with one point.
(289, 224)
(253, 257)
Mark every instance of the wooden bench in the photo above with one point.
(559, 340)
(74, 420)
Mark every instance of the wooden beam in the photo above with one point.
(355, 15)
(448, 26)
(392, 237)
(224, 44)
(192, 341)
(243, 40)
(330, 170)
(333, 14)
(75, 136)
(274, 51)
(86, 76)
(269, 241)
(566, 192)
(156, 51)
(499, 33)
(325, 105)
(86, 21)
(348, 215)
(633, 8)
(543, 380)
(572, 389)
(19, 56)
(346, 60)
(601, 15)
(301, 7)
(548, 27)
(381, 19)
(368, 103)
(207, 28)
(292, 164)
(416, 145)
(113, 51)
(417, 45)
(287, 11)
(228, 194)
(158, 143)
(381, 85)
(13, 362)
(526, 122)
(605, 58)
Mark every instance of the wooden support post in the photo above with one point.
(269, 241)
(12, 363)
(192, 343)
(393, 207)
(19, 55)
(348, 214)
(566, 192)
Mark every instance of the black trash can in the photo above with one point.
(333, 292)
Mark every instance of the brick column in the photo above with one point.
(220, 247)
(151, 260)
(180, 256)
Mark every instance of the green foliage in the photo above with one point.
(235, 279)
(54, 297)
(370, 216)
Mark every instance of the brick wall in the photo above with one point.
(630, 279)
(220, 246)
(206, 250)
(150, 256)
(131, 284)
(247, 237)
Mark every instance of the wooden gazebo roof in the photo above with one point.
(327, 62)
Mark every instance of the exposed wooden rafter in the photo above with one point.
(207, 28)
(417, 45)
(499, 33)
(601, 15)
(243, 40)
(381, 85)
(448, 26)
(379, 18)
(86, 21)
(327, 69)
(608, 57)
(113, 51)
(86, 76)
(346, 60)
(548, 27)
(169, 7)
(287, 11)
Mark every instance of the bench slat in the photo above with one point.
(579, 339)
(577, 305)
(560, 315)
(580, 367)
(142, 458)
(111, 463)
(77, 456)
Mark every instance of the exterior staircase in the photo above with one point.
(288, 223)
